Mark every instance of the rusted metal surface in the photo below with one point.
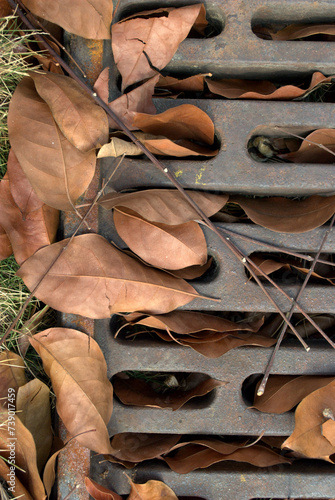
(74, 461)
(235, 52)
(233, 170)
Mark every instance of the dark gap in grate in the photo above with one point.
(160, 388)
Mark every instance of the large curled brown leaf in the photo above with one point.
(58, 172)
(28, 222)
(93, 278)
(33, 409)
(284, 392)
(136, 392)
(83, 403)
(78, 117)
(138, 100)
(182, 122)
(162, 245)
(286, 215)
(150, 36)
(150, 490)
(86, 18)
(132, 448)
(12, 374)
(262, 89)
(310, 416)
(25, 455)
(165, 206)
(194, 83)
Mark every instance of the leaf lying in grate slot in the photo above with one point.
(211, 336)
(186, 456)
(284, 392)
(162, 392)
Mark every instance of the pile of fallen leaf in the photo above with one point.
(57, 131)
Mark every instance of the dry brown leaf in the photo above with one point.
(132, 448)
(150, 36)
(193, 272)
(182, 122)
(79, 118)
(12, 374)
(165, 206)
(138, 100)
(187, 322)
(33, 409)
(328, 430)
(47, 61)
(162, 245)
(5, 8)
(190, 455)
(194, 83)
(118, 147)
(58, 172)
(5, 246)
(219, 347)
(86, 18)
(307, 438)
(93, 278)
(286, 215)
(98, 492)
(262, 89)
(25, 455)
(295, 31)
(83, 403)
(199, 454)
(16, 486)
(313, 153)
(151, 490)
(136, 392)
(284, 392)
(28, 222)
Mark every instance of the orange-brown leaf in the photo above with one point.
(5, 246)
(95, 279)
(78, 117)
(28, 222)
(33, 407)
(307, 437)
(313, 153)
(283, 392)
(181, 122)
(150, 36)
(162, 245)
(99, 492)
(83, 403)
(86, 18)
(262, 89)
(151, 490)
(286, 215)
(166, 206)
(58, 172)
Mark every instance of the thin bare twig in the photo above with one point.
(261, 388)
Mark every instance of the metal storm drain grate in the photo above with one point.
(234, 51)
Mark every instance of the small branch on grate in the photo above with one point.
(262, 386)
